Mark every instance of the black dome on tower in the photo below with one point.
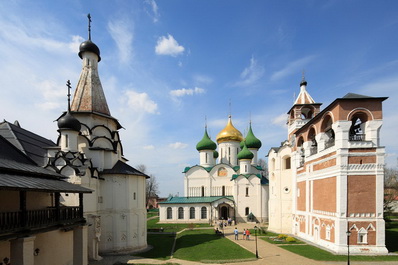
(68, 122)
(89, 46)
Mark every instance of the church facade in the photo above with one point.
(326, 180)
(226, 184)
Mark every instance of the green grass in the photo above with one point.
(162, 245)
(315, 253)
(153, 224)
(204, 245)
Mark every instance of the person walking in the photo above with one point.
(244, 234)
(236, 232)
(247, 234)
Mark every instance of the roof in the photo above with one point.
(234, 176)
(122, 168)
(19, 172)
(264, 181)
(29, 143)
(208, 199)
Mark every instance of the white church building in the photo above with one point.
(227, 183)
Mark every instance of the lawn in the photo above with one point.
(315, 253)
(204, 245)
(153, 224)
(162, 245)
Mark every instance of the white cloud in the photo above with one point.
(251, 74)
(202, 79)
(155, 10)
(280, 120)
(122, 34)
(140, 102)
(292, 67)
(178, 145)
(149, 147)
(168, 46)
(187, 91)
(74, 45)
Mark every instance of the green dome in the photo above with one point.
(215, 154)
(251, 140)
(245, 153)
(206, 143)
(242, 144)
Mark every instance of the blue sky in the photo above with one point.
(166, 65)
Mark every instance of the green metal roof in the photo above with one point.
(245, 153)
(206, 143)
(245, 175)
(251, 140)
(178, 200)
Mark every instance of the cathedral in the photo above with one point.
(226, 184)
(327, 179)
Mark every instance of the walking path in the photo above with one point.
(269, 254)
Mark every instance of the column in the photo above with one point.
(22, 251)
(80, 254)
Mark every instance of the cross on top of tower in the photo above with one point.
(69, 87)
(89, 26)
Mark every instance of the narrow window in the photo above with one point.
(66, 140)
(247, 211)
(192, 213)
(287, 163)
(203, 191)
(328, 232)
(134, 195)
(169, 213)
(203, 213)
(206, 158)
(223, 191)
(247, 191)
(245, 168)
(180, 213)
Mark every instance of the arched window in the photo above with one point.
(247, 191)
(327, 129)
(203, 213)
(247, 211)
(300, 147)
(357, 130)
(180, 213)
(307, 113)
(286, 162)
(192, 213)
(223, 191)
(169, 213)
(314, 144)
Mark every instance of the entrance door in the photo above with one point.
(224, 212)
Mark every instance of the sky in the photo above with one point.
(170, 67)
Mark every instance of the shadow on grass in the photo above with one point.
(200, 245)
(391, 240)
(161, 246)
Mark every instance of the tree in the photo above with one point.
(390, 189)
(262, 163)
(152, 187)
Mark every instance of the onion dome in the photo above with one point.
(68, 122)
(251, 140)
(229, 133)
(245, 154)
(89, 46)
(215, 154)
(242, 144)
(206, 143)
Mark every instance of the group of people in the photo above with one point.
(246, 234)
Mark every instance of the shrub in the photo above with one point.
(290, 239)
(282, 236)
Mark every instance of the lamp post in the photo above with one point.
(255, 235)
(348, 233)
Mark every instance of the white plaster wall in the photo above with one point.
(56, 247)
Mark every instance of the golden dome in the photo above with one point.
(229, 133)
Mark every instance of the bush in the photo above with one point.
(282, 236)
(290, 239)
